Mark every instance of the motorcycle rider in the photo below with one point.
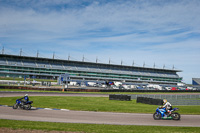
(167, 106)
(26, 99)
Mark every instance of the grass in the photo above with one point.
(94, 104)
(17, 90)
(101, 104)
(28, 79)
(93, 128)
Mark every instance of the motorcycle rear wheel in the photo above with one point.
(156, 116)
(176, 116)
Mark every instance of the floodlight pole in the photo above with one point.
(53, 55)
(96, 59)
(38, 53)
(20, 52)
(83, 58)
(3, 50)
(68, 56)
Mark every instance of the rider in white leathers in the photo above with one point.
(167, 106)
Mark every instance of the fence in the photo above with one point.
(193, 99)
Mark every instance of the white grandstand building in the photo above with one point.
(46, 68)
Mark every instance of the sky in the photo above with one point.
(164, 33)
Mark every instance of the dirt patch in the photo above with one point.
(9, 130)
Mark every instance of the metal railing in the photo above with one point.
(193, 99)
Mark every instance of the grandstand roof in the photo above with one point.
(84, 63)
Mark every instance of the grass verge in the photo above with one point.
(93, 128)
(100, 104)
(20, 90)
(22, 79)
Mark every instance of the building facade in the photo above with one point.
(46, 68)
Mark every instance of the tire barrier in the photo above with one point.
(120, 97)
(151, 101)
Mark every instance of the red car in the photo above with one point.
(174, 88)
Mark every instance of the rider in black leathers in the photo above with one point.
(26, 99)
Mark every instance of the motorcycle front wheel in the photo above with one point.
(156, 116)
(15, 106)
(176, 116)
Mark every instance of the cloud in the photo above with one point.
(166, 32)
(94, 19)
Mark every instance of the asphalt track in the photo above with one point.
(92, 117)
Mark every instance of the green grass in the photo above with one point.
(93, 128)
(101, 104)
(94, 104)
(17, 90)
(28, 79)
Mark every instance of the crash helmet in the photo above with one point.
(164, 101)
(26, 95)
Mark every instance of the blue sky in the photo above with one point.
(144, 31)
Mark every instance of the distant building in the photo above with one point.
(46, 68)
(195, 81)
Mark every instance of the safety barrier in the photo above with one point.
(184, 99)
(168, 96)
(151, 101)
(120, 97)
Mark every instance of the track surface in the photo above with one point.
(88, 116)
(94, 117)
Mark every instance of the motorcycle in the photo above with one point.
(20, 104)
(162, 114)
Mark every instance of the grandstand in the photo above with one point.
(196, 81)
(46, 68)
